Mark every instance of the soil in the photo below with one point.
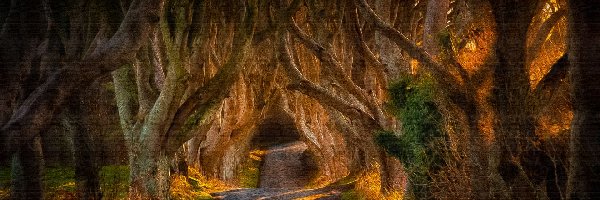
(283, 167)
(283, 176)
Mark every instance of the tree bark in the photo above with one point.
(22, 32)
(36, 111)
(27, 168)
(584, 56)
(435, 22)
(85, 157)
(149, 174)
(515, 126)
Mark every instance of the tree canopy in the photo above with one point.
(435, 99)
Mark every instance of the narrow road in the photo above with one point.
(283, 167)
(283, 176)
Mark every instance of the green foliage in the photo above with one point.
(114, 181)
(412, 102)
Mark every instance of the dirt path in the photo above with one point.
(326, 193)
(283, 176)
(283, 167)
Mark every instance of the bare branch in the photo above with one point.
(39, 107)
(322, 95)
(547, 87)
(194, 109)
(542, 34)
(413, 50)
(360, 44)
(331, 63)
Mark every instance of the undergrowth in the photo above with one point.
(367, 186)
(412, 102)
(194, 186)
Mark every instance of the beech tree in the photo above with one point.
(164, 96)
(175, 62)
(584, 56)
(87, 56)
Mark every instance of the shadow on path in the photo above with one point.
(283, 176)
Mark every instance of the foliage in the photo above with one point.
(412, 102)
(114, 183)
(367, 186)
(185, 188)
(350, 195)
(194, 186)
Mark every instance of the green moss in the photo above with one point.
(412, 101)
(109, 86)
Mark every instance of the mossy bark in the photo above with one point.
(149, 174)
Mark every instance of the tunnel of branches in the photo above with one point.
(477, 99)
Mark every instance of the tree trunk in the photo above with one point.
(27, 167)
(85, 156)
(584, 55)
(149, 174)
(393, 176)
(478, 162)
(435, 23)
(515, 125)
(86, 167)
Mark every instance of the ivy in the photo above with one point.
(412, 102)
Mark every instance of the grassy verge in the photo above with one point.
(114, 184)
(4, 182)
(367, 186)
(195, 186)
(114, 181)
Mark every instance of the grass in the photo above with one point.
(4, 182)
(114, 181)
(114, 184)
(59, 183)
(195, 186)
(367, 186)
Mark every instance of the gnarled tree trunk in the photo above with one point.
(584, 54)
(515, 128)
